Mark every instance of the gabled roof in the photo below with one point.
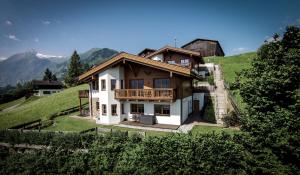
(136, 59)
(174, 49)
(201, 39)
(46, 82)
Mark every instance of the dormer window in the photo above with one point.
(185, 62)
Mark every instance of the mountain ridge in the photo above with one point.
(29, 65)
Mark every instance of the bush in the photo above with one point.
(231, 119)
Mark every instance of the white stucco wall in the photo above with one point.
(173, 119)
(107, 97)
(187, 107)
(200, 97)
(52, 91)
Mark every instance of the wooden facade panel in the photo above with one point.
(206, 48)
(180, 84)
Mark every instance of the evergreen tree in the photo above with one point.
(74, 70)
(271, 90)
(48, 75)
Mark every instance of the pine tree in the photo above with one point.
(47, 75)
(74, 70)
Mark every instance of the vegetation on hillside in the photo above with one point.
(270, 88)
(231, 67)
(41, 108)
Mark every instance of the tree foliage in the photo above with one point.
(271, 90)
(74, 70)
(49, 76)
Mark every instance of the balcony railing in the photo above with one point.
(83, 93)
(145, 94)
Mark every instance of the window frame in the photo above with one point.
(103, 84)
(138, 83)
(111, 84)
(137, 108)
(122, 109)
(97, 105)
(103, 109)
(114, 107)
(185, 62)
(161, 113)
(161, 83)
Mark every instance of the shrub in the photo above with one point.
(231, 119)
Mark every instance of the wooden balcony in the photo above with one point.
(145, 94)
(83, 93)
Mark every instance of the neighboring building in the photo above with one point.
(43, 88)
(205, 47)
(146, 52)
(154, 88)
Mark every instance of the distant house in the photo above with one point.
(206, 47)
(43, 88)
(146, 52)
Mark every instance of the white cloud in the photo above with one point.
(40, 55)
(36, 40)
(240, 49)
(46, 22)
(8, 23)
(2, 58)
(13, 37)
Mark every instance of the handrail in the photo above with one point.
(146, 94)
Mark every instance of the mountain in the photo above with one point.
(89, 58)
(22, 67)
(30, 65)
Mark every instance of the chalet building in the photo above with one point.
(205, 47)
(152, 87)
(44, 88)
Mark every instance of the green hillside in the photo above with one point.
(41, 108)
(230, 65)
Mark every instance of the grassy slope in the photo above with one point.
(41, 108)
(230, 65)
(209, 129)
(12, 103)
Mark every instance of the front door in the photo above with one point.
(196, 105)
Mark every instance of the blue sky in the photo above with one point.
(57, 27)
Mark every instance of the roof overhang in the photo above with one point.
(123, 57)
(174, 49)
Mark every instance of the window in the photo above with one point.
(103, 109)
(185, 62)
(137, 108)
(162, 110)
(113, 84)
(171, 62)
(162, 83)
(122, 109)
(97, 106)
(103, 85)
(122, 84)
(95, 85)
(114, 110)
(46, 92)
(136, 84)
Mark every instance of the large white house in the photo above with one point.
(152, 87)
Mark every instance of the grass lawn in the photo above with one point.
(200, 129)
(230, 65)
(12, 103)
(41, 108)
(67, 123)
